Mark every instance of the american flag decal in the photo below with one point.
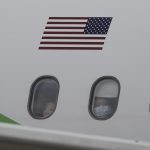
(75, 33)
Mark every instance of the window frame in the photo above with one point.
(90, 106)
(31, 92)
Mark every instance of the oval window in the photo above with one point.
(43, 97)
(104, 97)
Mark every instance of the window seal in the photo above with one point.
(92, 94)
(31, 95)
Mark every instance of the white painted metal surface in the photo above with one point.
(125, 56)
(39, 138)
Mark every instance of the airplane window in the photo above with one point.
(104, 98)
(43, 97)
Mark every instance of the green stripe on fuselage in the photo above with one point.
(5, 119)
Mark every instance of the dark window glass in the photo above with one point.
(104, 97)
(43, 97)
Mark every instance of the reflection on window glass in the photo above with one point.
(104, 98)
(43, 97)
